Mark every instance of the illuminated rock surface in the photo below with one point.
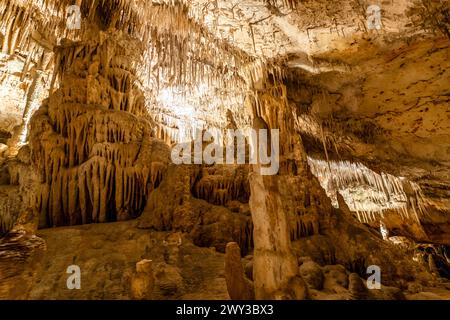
(89, 118)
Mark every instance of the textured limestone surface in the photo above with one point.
(89, 118)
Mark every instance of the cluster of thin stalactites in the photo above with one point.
(369, 194)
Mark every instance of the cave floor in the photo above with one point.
(107, 254)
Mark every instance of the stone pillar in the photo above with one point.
(274, 263)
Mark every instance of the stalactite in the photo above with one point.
(7, 218)
(381, 191)
(219, 185)
(95, 155)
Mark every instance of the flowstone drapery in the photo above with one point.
(91, 141)
(294, 219)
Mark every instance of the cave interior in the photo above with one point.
(115, 123)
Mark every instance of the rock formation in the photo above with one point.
(239, 287)
(143, 281)
(94, 108)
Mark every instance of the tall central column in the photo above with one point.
(275, 264)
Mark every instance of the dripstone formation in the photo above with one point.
(357, 129)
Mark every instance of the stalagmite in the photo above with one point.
(239, 287)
